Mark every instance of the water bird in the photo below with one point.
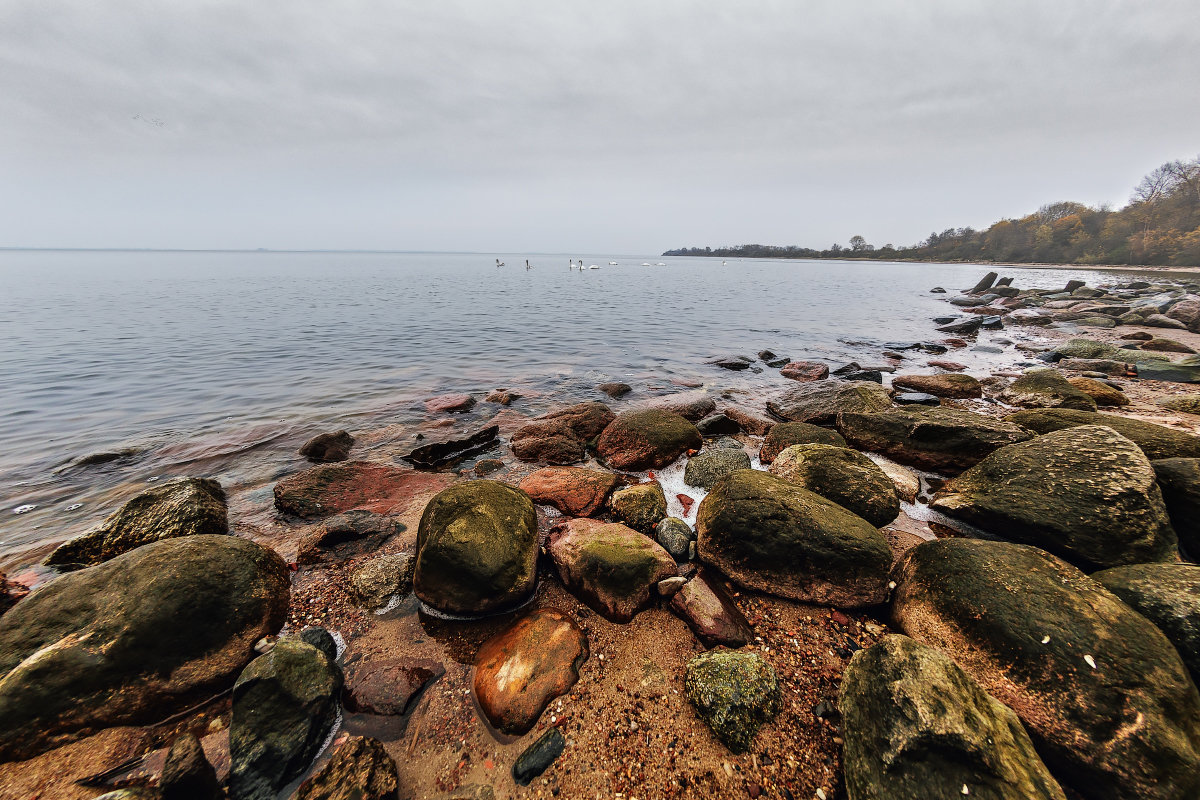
(499, 263)
(593, 266)
(645, 263)
(527, 264)
(612, 263)
(661, 264)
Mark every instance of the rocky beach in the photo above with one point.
(960, 566)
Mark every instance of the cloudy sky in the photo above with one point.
(614, 127)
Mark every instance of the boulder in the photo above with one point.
(647, 439)
(985, 283)
(711, 613)
(375, 582)
(916, 726)
(675, 536)
(327, 447)
(178, 507)
(705, 469)
(561, 437)
(476, 549)
(135, 639)
(965, 327)
(614, 390)
(1086, 494)
(906, 481)
(774, 536)
(348, 534)
(640, 506)
(951, 385)
(939, 439)
(692, 406)
(1187, 312)
(1091, 349)
(612, 568)
(358, 769)
(1183, 403)
(1101, 392)
(1045, 388)
(1184, 371)
(502, 397)
(1103, 694)
(574, 491)
(1179, 480)
(186, 773)
(388, 686)
(1163, 321)
(786, 434)
(538, 757)
(520, 670)
(1166, 594)
(329, 489)
(804, 371)
(285, 703)
(1156, 441)
(735, 693)
(718, 424)
(1166, 346)
(819, 403)
(842, 475)
(751, 422)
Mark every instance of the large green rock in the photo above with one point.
(179, 507)
(706, 468)
(786, 434)
(284, 705)
(946, 384)
(774, 536)
(940, 439)
(1089, 348)
(916, 727)
(640, 506)
(1156, 441)
(1046, 388)
(1179, 479)
(842, 475)
(476, 549)
(819, 402)
(1169, 596)
(135, 639)
(647, 439)
(1086, 494)
(1102, 692)
(735, 693)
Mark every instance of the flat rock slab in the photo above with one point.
(348, 534)
(330, 489)
(520, 670)
(1046, 388)
(575, 491)
(804, 371)
(449, 451)
(938, 439)
(388, 687)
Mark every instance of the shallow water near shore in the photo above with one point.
(222, 363)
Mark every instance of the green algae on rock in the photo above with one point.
(647, 439)
(842, 475)
(1156, 441)
(735, 693)
(1166, 594)
(641, 506)
(1046, 388)
(786, 434)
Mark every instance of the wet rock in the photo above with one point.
(711, 613)
(736, 363)
(906, 482)
(963, 328)
(1166, 346)
(1166, 594)
(488, 466)
(939, 439)
(1091, 349)
(751, 422)
(1179, 480)
(916, 399)
(1046, 388)
(389, 687)
(326, 447)
(647, 439)
(871, 375)
(358, 769)
(692, 406)
(450, 451)
(952, 366)
(375, 582)
(1102, 692)
(718, 425)
(805, 371)
(705, 469)
(329, 489)
(186, 774)
(345, 535)
(1102, 393)
(10, 593)
(615, 390)
(574, 491)
(1086, 494)
(942, 385)
(476, 549)
(985, 283)
(178, 507)
(284, 705)
(734, 693)
(612, 568)
(640, 506)
(841, 475)
(1156, 441)
(321, 639)
(820, 402)
(786, 434)
(675, 536)
(450, 403)
(561, 437)
(502, 396)
(520, 670)
(669, 587)
(771, 535)
(937, 290)
(134, 639)
(538, 757)
(916, 726)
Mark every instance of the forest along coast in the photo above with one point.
(879, 580)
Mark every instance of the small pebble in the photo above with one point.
(1091, 662)
(965, 790)
(1045, 640)
(23, 509)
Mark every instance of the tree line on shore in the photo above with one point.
(1159, 226)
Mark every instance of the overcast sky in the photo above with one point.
(612, 127)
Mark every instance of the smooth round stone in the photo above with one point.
(917, 399)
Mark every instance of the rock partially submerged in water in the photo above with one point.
(786, 434)
(819, 403)
(1166, 594)
(734, 693)
(561, 437)
(842, 475)
(692, 406)
(328, 447)
(388, 686)
(675, 536)
(575, 491)
(538, 757)
(805, 371)
(178, 507)
(329, 489)
(916, 726)
(450, 451)
(647, 439)
(1156, 441)
(1046, 388)
(134, 639)
(359, 769)
(939, 439)
(1102, 691)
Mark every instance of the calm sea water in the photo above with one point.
(191, 356)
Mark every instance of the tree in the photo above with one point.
(859, 245)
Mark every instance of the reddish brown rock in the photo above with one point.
(358, 769)
(1187, 311)
(502, 396)
(519, 671)
(615, 390)
(686, 502)
(333, 488)
(647, 439)
(450, 403)
(951, 366)
(953, 386)
(1166, 346)
(751, 422)
(10, 592)
(387, 687)
(711, 613)
(692, 406)
(805, 371)
(575, 491)
(562, 436)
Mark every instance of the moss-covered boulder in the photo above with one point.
(705, 469)
(1169, 596)
(641, 506)
(774, 536)
(786, 434)
(952, 385)
(561, 437)
(734, 693)
(842, 475)
(1046, 388)
(1102, 692)
(1179, 480)
(1156, 441)
(476, 549)
(1091, 349)
(359, 769)
(612, 568)
(1101, 392)
(179, 507)
(1183, 403)
(818, 403)
(134, 639)
(939, 439)
(647, 439)
(1086, 494)
(917, 727)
